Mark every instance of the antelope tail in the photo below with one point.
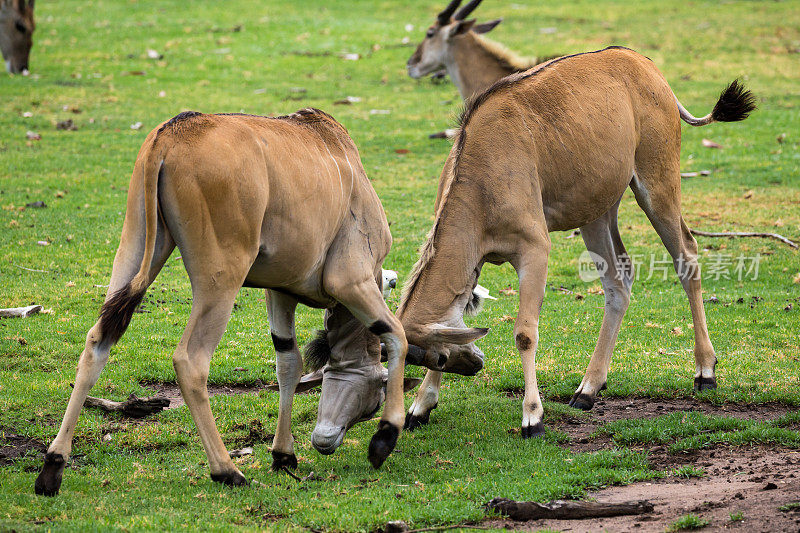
(735, 103)
(117, 311)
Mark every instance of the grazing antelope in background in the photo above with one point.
(472, 61)
(16, 33)
(279, 203)
(553, 149)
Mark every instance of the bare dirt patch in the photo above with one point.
(581, 429)
(172, 391)
(14, 446)
(751, 482)
(748, 481)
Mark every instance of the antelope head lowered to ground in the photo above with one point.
(551, 149)
(16, 32)
(278, 203)
(472, 61)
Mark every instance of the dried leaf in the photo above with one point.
(508, 291)
(677, 331)
(33, 136)
(347, 100)
(402, 151)
(748, 194)
(708, 143)
(653, 325)
(66, 125)
(136, 126)
(506, 318)
(350, 57)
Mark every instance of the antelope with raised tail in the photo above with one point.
(552, 149)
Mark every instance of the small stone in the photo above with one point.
(396, 526)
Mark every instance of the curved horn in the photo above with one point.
(466, 10)
(444, 16)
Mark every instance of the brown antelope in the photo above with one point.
(552, 149)
(279, 203)
(16, 33)
(472, 61)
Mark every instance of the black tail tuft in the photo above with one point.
(317, 352)
(117, 312)
(734, 104)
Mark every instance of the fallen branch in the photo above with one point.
(567, 510)
(133, 407)
(20, 312)
(744, 234)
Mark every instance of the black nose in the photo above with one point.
(392, 284)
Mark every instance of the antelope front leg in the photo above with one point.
(365, 301)
(426, 401)
(289, 366)
(532, 273)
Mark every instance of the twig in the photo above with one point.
(744, 234)
(20, 312)
(32, 269)
(133, 407)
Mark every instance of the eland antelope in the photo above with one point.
(16, 33)
(278, 203)
(552, 149)
(472, 61)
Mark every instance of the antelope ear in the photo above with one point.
(444, 334)
(460, 27)
(486, 27)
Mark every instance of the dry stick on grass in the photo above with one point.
(20, 312)
(566, 509)
(133, 407)
(744, 234)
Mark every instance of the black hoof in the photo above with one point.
(282, 460)
(49, 480)
(232, 479)
(414, 421)
(701, 383)
(581, 401)
(536, 430)
(382, 443)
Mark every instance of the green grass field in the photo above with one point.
(90, 64)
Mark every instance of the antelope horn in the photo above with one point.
(466, 10)
(444, 16)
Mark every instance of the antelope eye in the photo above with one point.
(20, 27)
(431, 33)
